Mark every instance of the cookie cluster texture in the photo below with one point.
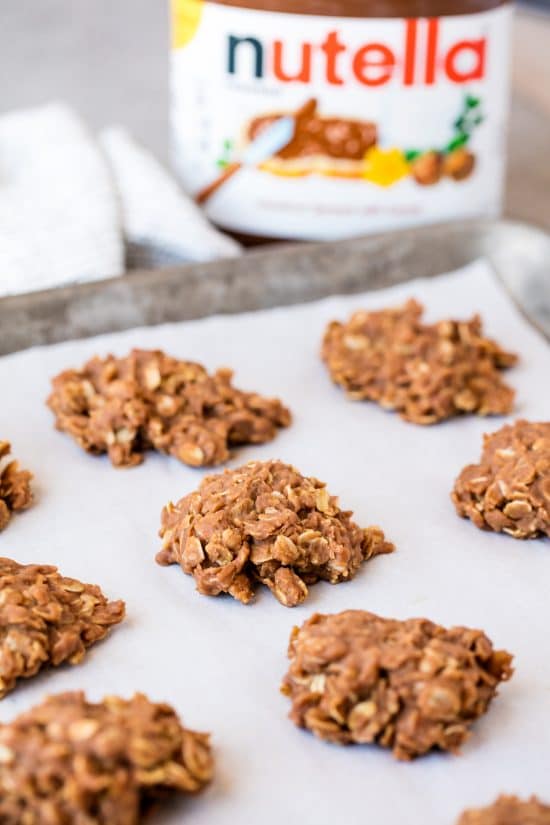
(150, 401)
(425, 372)
(412, 686)
(72, 761)
(15, 487)
(508, 810)
(47, 619)
(509, 490)
(265, 522)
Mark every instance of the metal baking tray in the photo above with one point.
(282, 275)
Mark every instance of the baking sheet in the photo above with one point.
(220, 663)
(282, 275)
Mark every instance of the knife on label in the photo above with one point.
(270, 141)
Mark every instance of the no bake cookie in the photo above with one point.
(509, 490)
(266, 523)
(425, 372)
(15, 487)
(508, 810)
(47, 619)
(150, 401)
(411, 686)
(72, 761)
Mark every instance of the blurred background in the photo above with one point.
(109, 58)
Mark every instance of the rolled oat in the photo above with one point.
(425, 372)
(509, 490)
(71, 762)
(267, 523)
(411, 686)
(47, 619)
(150, 401)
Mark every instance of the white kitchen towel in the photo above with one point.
(162, 225)
(220, 663)
(59, 216)
(76, 209)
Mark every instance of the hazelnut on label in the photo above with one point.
(427, 168)
(459, 164)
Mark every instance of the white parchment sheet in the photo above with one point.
(220, 663)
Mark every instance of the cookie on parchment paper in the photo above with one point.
(69, 760)
(151, 401)
(265, 523)
(508, 810)
(509, 490)
(424, 372)
(47, 619)
(15, 487)
(411, 686)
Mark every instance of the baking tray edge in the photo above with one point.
(283, 275)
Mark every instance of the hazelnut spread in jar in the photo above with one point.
(323, 119)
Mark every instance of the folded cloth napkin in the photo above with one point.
(59, 215)
(71, 207)
(161, 224)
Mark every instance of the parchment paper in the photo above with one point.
(221, 663)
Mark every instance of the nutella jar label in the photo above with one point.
(315, 127)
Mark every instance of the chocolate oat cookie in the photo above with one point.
(508, 810)
(150, 401)
(69, 761)
(509, 490)
(265, 522)
(425, 372)
(47, 619)
(411, 686)
(15, 487)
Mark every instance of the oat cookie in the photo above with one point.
(265, 522)
(15, 487)
(150, 401)
(425, 372)
(71, 762)
(509, 490)
(47, 619)
(508, 810)
(411, 686)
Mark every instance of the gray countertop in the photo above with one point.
(109, 58)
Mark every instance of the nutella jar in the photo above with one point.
(324, 119)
